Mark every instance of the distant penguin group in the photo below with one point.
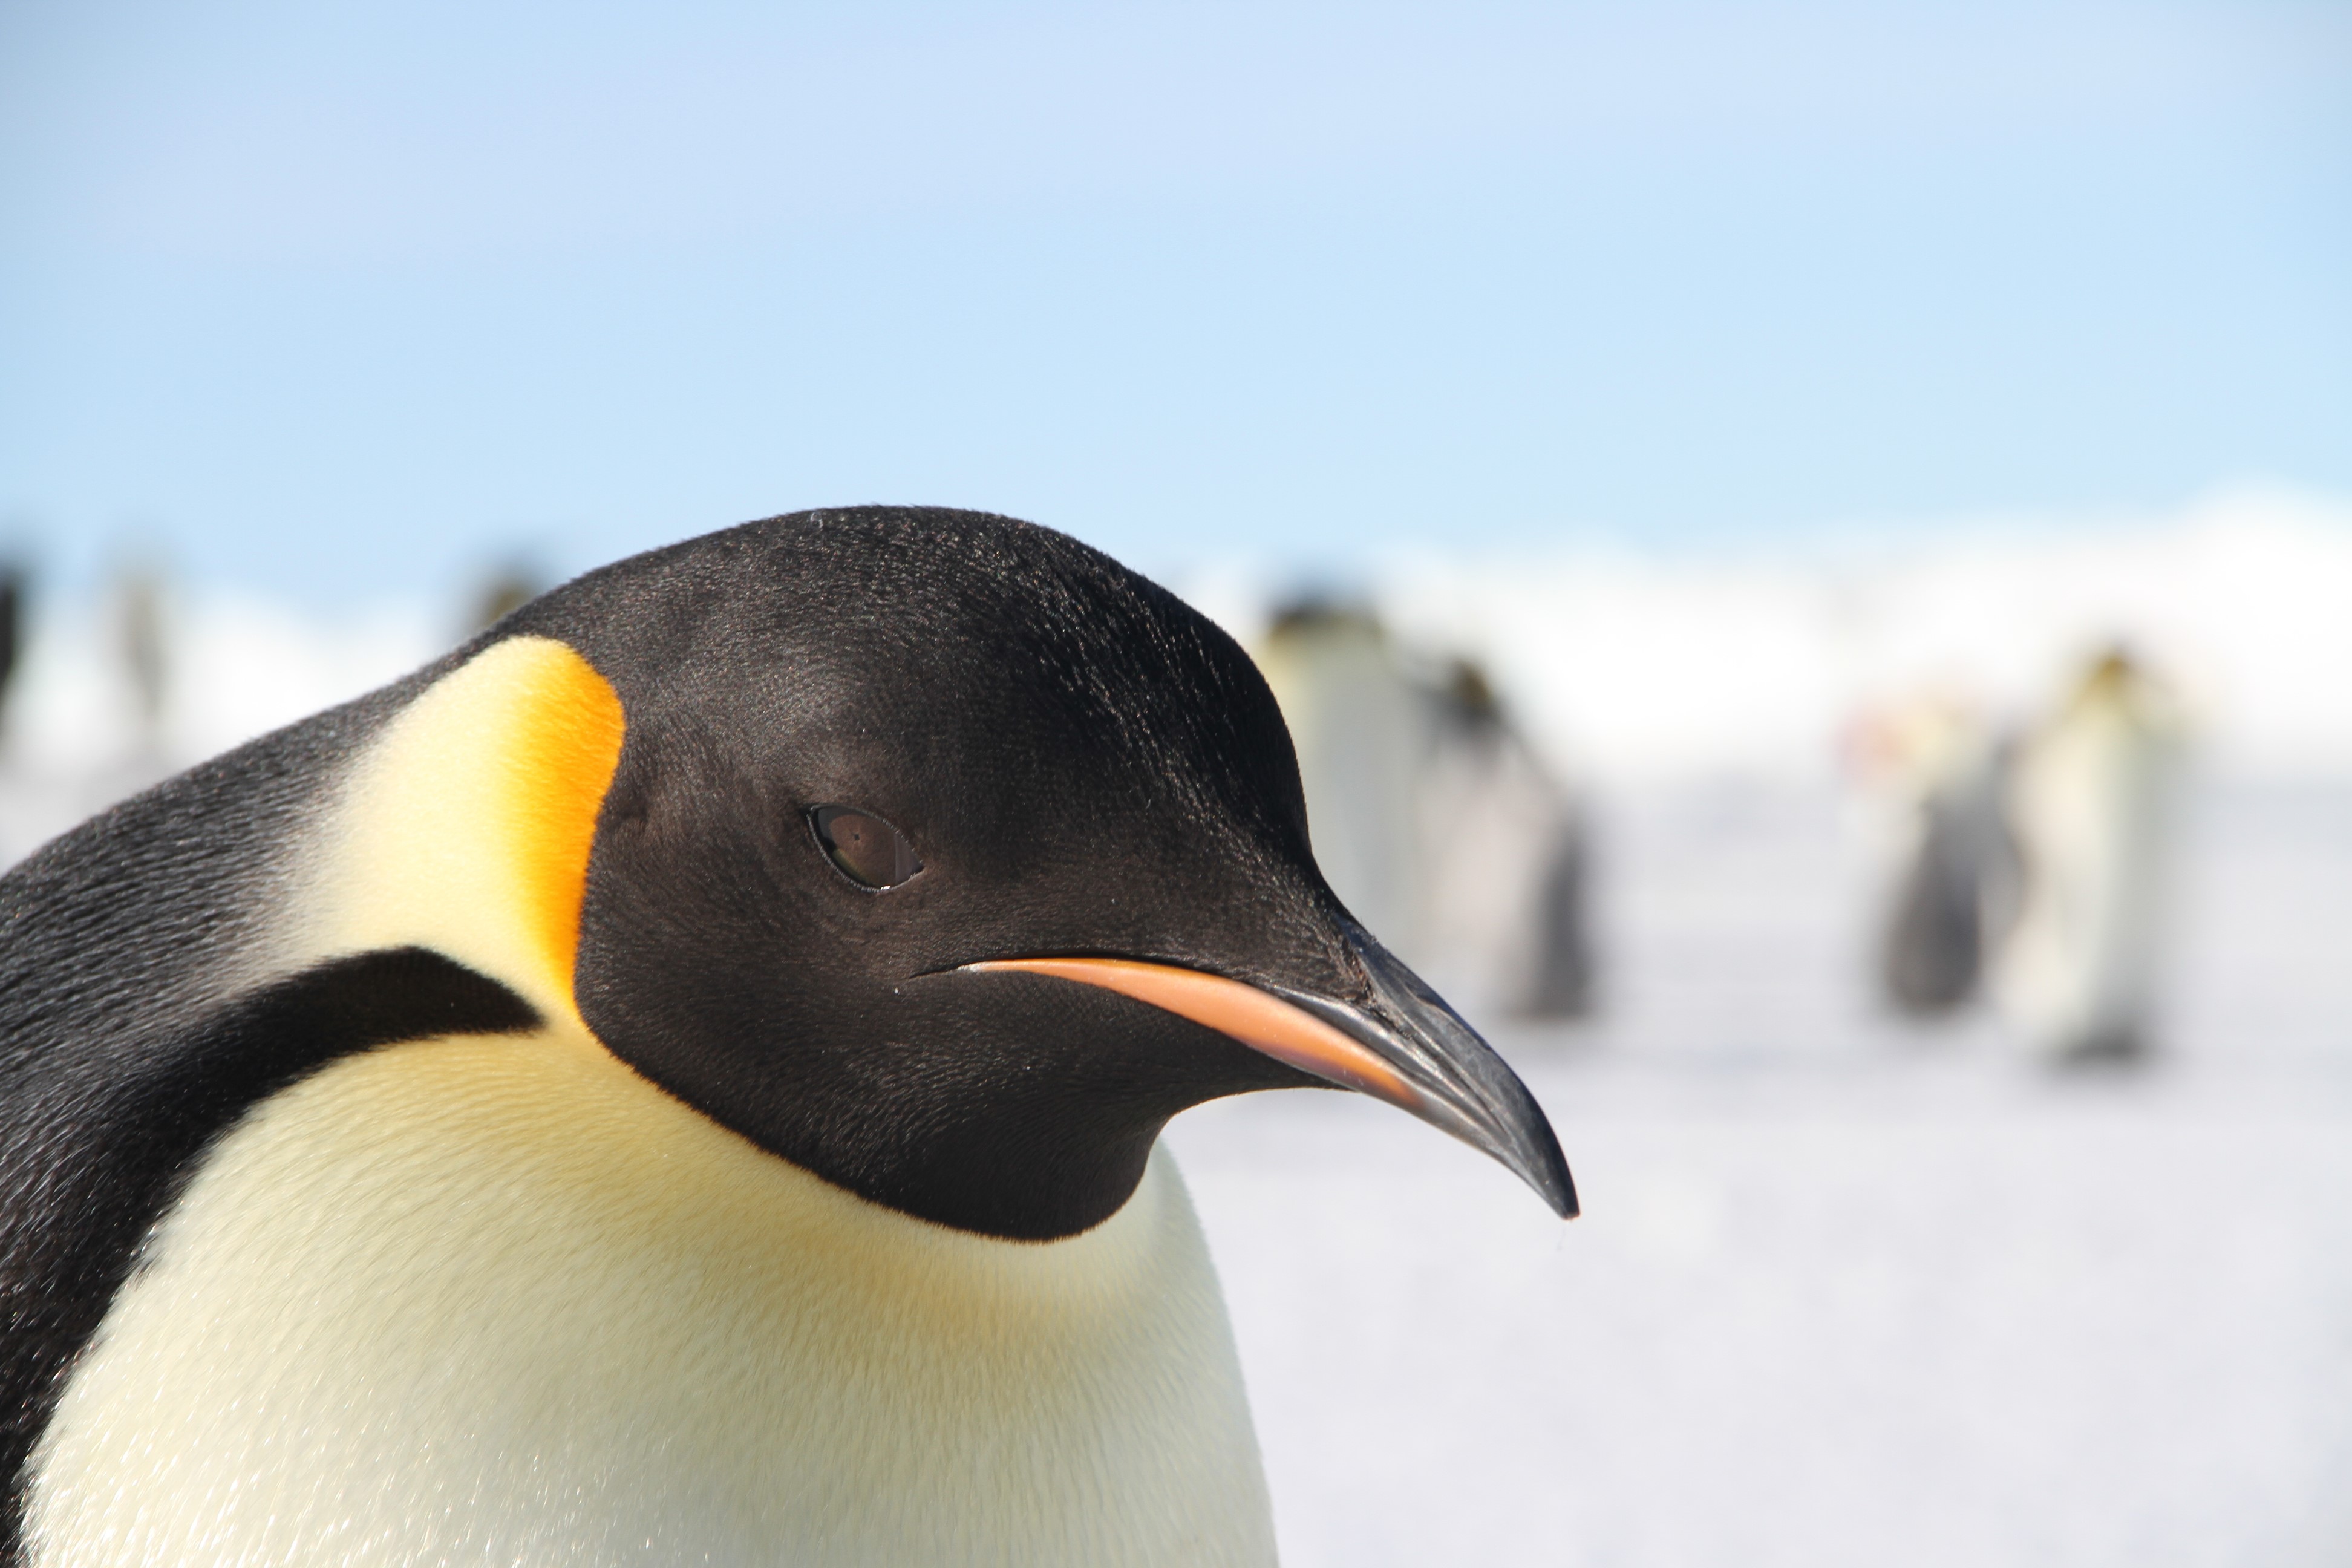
(678, 1080)
(2037, 865)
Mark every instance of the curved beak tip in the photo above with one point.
(1563, 1200)
(1478, 1098)
(1538, 1161)
(1408, 1047)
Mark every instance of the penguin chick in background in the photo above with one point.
(678, 1080)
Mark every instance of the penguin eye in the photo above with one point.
(869, 851)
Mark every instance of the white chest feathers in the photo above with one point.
(498, 1302)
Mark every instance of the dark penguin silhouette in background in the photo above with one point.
(678, 1079)
(12, 627)
(1950, 907)
(1952, 887)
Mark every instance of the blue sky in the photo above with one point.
(344, 299)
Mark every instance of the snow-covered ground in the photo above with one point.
(1847, 1291)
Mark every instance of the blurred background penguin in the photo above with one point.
(1431, 815)
(1953, 887)
(2090, 803)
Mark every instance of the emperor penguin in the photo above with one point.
(678, 1079)
(2092, 801)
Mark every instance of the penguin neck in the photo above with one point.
(465, 828)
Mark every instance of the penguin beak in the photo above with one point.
(1403, 1046)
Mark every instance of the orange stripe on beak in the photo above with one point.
(1262, 1022)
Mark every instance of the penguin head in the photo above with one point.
(948, 859)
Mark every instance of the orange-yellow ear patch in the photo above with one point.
(467, 827)
(566, 746)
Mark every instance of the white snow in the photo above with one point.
(1847, 1291)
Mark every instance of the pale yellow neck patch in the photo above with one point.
(467, 826)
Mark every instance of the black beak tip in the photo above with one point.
(1486, 1103)
(1563, 1202)
(1550, 1176)
(1520, 1136)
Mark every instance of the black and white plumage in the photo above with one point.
(678, 1079)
